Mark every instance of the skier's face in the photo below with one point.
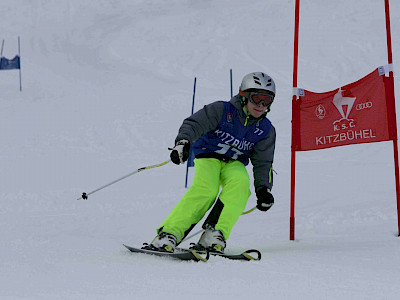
(256, 110)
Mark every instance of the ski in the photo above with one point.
(247, 255)
(179, 254)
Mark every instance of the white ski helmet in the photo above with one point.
(256, 81)
(259, 81)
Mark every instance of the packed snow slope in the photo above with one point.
(106, 85)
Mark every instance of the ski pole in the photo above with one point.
(85, 195)
(196, 233)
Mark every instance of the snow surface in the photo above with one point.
(106, 85)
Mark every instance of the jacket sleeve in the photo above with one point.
(262, 159)
(201, 122)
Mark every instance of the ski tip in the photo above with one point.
(127, 247)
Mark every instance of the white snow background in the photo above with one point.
(106, 85)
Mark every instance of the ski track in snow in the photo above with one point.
(106, 86)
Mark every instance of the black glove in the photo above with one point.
(264, 199)
(180, 153)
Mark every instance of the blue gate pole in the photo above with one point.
(19, 54)
(190, 155)
(231, 86)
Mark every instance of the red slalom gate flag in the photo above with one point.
(360, 112)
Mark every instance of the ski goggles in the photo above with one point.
(260, 98)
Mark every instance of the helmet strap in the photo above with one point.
(244, 101)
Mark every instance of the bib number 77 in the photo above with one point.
(225, 148)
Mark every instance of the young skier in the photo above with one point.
(224, 136)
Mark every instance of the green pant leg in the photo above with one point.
(197, 200)
(235, 184)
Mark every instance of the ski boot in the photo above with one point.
(164, 242)
(211, 240)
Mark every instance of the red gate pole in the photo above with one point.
(293, 151)
(395, 146)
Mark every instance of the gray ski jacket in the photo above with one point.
(208, 118)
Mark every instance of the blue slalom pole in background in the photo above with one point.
(231, 85)
(190, 161)
(19, 55)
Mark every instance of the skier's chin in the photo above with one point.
(257, 113)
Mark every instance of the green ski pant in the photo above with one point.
(210, 174)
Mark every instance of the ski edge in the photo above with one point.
(248, 255)
(195, 255)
